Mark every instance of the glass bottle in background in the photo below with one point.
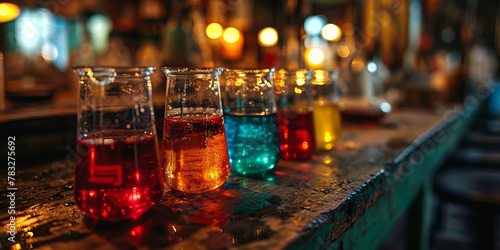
(251, 120)
(184, 41)
(326, 116)
(195, 155)
(148, 53)
(295, 118)
(364, 101)
(118, 175)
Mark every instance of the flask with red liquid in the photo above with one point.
(295, 119)
(118, 173)
(195, 155)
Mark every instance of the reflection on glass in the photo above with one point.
(118, 175)
(251, 120)
(327, 121)
(195, 157)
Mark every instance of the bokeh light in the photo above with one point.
(99, 23)
(49, 52)
(315, 56)
(8, 12)
(343, 51)
(314, 24)
(448, 35)
(357, 65)
(372, 67)
(231, 35)
(268, 37)
(385, 107)
(331, 32)
(214, 30)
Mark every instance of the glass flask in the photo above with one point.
(251, 120)
(364, 100)
(118, 173)
(195, 156)
(326, 116)
(295, 116)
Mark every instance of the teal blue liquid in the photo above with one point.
(252, 141)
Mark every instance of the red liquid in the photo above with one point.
(362, 117)
(296, 135)
(118, 176)
(195, 156)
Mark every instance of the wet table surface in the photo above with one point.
(276, 210)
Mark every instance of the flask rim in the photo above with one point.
(125, 71)
(190, 71)
(249, 71)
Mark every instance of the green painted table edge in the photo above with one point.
(367, 216)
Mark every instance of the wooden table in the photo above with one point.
(348, 197)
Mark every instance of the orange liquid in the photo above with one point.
(195, 156)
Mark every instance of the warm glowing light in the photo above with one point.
(331, 32)
(328, 137)
(214, 30)
(8, 12)
(357, 65)
(231, 35)
(320, 77)
(301, 78)
(239, 81)
(91, 193)
(343, 51)
(268, 37)
(305, 145)
(298, 90)
(315, 56)
(327, 159)
(301, 81)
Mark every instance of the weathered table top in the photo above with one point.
(295, 205)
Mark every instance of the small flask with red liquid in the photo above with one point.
(295, 119)
(118, 174)
(194, 152)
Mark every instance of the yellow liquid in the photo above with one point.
(327, 124)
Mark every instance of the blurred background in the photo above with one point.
(425, 52)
